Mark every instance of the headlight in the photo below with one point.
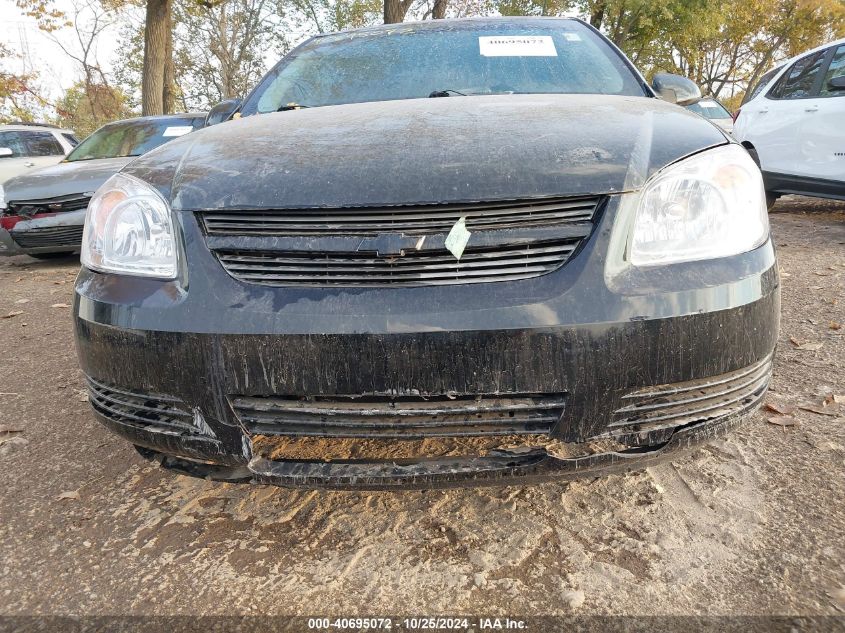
(706, 206)
(129, 230)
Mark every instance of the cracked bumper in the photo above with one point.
(654, 362)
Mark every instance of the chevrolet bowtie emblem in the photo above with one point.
(389, 244)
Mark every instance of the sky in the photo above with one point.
(56, 71)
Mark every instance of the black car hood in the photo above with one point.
(454, 149)
(63, 179)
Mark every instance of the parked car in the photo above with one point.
(42, 213)
(27, 146)
(456, 252)
(793, 123)
(712, 109)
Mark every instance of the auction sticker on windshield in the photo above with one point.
(177, 130)
(517, 46)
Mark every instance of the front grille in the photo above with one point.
(48, 236)
(401, 418)
(417, 220)
(152, 412)
(59, 204)
(510, 240)
(417, 268)
(664, 408)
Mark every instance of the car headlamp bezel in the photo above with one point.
(109, 229)
(709, 205)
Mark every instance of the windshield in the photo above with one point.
(132, 138)
(710, 109)
(412, 62)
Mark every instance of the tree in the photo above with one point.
(220, 49)
(395, 10)
(87, 106)
(158, 34)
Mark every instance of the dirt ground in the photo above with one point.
(752, 524)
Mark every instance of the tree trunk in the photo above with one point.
(155, 57)
(169, 87)
(395, 10)
(597, 14)
(439, 11)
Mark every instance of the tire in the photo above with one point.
(771, 196)
(49, 256)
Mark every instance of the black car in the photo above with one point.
(42, 212)
(434, 254)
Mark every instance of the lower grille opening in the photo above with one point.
(151, 412)
(655, 413)
(49, 236)
(411, 417)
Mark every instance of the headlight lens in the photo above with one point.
(129, 230)
(709, 205)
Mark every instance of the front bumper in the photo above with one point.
(55, 233)
(644, 363)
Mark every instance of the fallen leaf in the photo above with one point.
(822, 273)
(783, 409)
(22, 301)
(815, 409)
(805, 345)
(835, 326)
(60, 305)
(14, 313)
(781, 420)
(69, 495)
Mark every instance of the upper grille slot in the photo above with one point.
(59, 204)
(412, 269)
(511, 240)
(418, 220)
(409, 417)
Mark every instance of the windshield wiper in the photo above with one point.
(445, 93)
(291, 106)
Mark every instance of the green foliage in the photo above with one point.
(84, 108)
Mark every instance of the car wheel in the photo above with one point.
(771, 198)
(50, 255)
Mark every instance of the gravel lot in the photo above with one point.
(752, 524)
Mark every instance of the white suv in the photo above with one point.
(25, 146)
(793, 123)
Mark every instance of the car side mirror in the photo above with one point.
(837, 83)
(5, 152)
(223, 111)
(676, 89)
